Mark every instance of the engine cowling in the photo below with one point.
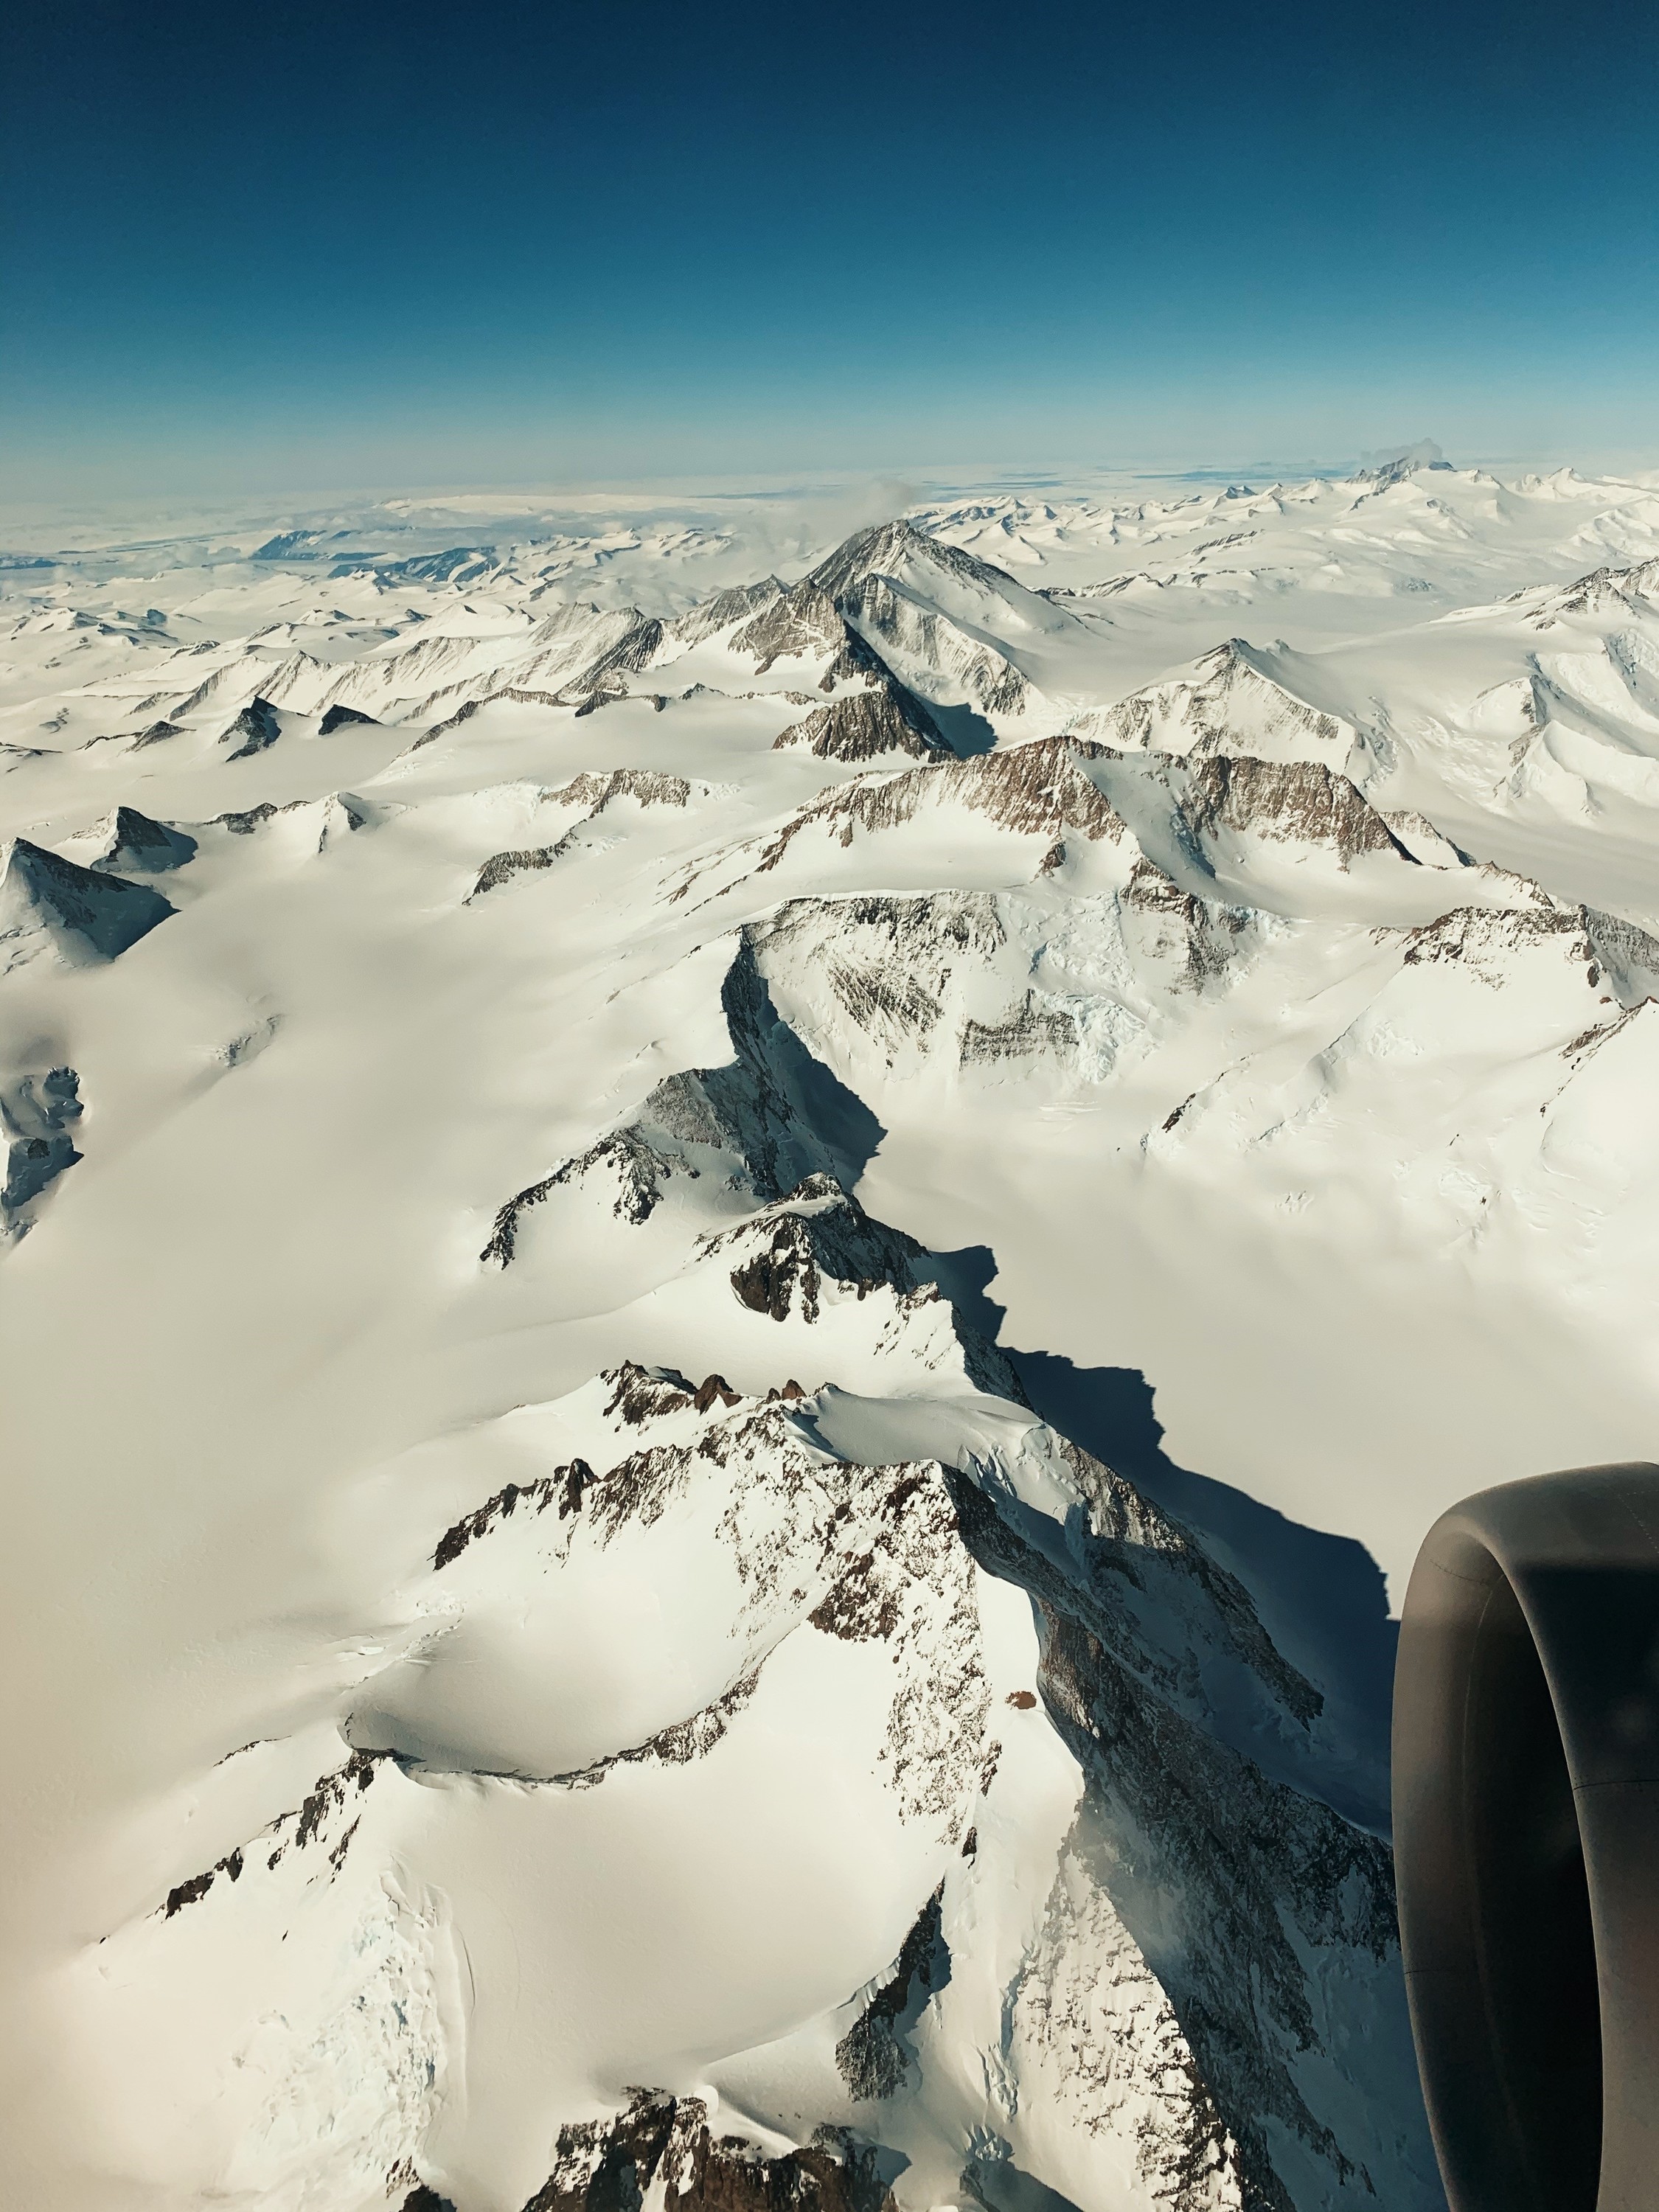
(1526, 1815)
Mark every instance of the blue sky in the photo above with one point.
(296, 246)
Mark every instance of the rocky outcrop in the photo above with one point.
(872, 2057)
(1041, 789)
(153, 733)
(955, 660)
(593, 794)
(48, 904)
(1242, 1892)
(769, 1119)
(632, 652)
(1627, 954)
(659, 2148)
(741, 604)
(1195, 941)
(888, 547)
(38, 1114)
(341, 718)
(637, 1168)
(803, 623)
(781, 1256)
(860, 726)
(564, 1487)
(1620, 590)
(1481, 938)
(150, 848)
(1299, 802)
(256, 726)
(1227, 705)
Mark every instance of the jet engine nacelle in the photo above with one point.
(1526, 1822)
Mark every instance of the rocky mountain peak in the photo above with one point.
(891, 548)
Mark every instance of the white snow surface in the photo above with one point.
(1116, 1028)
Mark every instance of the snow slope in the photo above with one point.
(732, 1264)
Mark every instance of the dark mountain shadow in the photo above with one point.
(1322, 1598)
(964, 729)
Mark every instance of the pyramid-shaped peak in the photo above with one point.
(146, 847)
(46, 900)
(888, 548)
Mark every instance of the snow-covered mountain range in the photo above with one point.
(733, 1264)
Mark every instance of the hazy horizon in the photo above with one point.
(250, 255)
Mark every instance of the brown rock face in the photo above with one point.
(1290, 801)
(803, 621)
(862, 724)
(1039, 788)
(609, 2166)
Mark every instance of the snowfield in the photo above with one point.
(735, 1261)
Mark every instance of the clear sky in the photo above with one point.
(272, 244)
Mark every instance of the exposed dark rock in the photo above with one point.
(1424, 455)
(678, 1744)
(1201, 937)
(742, 603)
(1263, 1873)
(290, 545)
(1629, 955)
(337, 718)
(458, 564)
(881, 610)
(1039, 789)
(501, 867)
(650, 786)
(152, 848)
(564, 1488)
(609, 671)
(1632, 590)
(154, 733)
(1299, 801)
(611, 2165)
(106, 913)
(864, 725)
(191, 1892)
(1481, 937)
(887, 546)
(257, 726)
(36, 1117)
(803, 622)
(639, 1171)
(772, 1117)
(817, 1231)
(644, 1394)
(331, 1794)
(245, 824)
(1029, 1030)
(872, 2057)
(1205, 709)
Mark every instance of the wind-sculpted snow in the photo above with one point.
(594, 1618)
